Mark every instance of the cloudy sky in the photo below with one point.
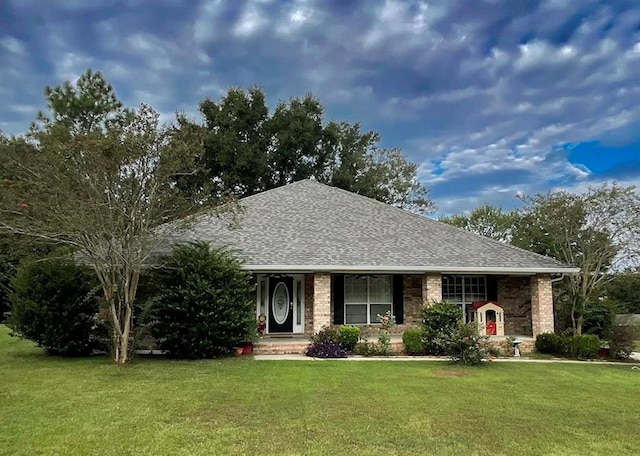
(491, 97)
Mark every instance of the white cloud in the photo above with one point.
(251, 21)
(206, 24)
(13, 45)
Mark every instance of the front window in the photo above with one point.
(365, 297)
(464, 290)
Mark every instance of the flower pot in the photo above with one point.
(239, 351)
(247, 348)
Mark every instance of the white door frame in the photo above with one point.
(262, 300)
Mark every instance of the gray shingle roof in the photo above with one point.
(308, 226)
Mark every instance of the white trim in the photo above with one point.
(297, 329)
(407, 269)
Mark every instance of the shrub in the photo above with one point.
(554, 344)
(466, 346)
(55, 304)
(413, 343)
(623, 340)
(326, 334)
(349, 337)
(204, 307)
(585, 346)
(326, 349)
(439, 321)
(366, 348)
(326, 343)
(548, 343)
(387, 321)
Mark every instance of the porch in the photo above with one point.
(294, 306)
(296, 345)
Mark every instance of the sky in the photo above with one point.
(492, 98)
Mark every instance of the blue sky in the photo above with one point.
(491, 97)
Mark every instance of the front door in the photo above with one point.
(281, 305)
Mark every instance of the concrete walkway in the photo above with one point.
(438, 358)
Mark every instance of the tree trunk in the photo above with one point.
(579, 322)
(120, 347)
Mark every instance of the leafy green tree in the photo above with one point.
(248, 150)
(100, 178)
(486, 220)
(624, 290)
(596, 231)
(204, 307)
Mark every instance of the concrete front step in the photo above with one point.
(298, 347)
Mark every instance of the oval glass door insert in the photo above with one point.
(280, 303)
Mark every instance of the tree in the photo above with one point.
(486, 220)
(623, 289)
(204, 307)
(360, 166)
(99, 178)
(248, 150)
(597, 231)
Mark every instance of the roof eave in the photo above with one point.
(272, 268)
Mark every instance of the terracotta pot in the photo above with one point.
(239, 351)
(247, 348)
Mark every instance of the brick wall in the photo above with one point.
(412, 296)
(308, 304)
(514, 294)
(541, 304)
(431, 288)
(321, 300)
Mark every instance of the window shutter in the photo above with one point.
(398, 298)
(338, 298)
(492, 288)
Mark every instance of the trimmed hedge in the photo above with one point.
(584, 346)
(413, 343)
(349, 337)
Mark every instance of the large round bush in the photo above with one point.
(439, 321)
(55, 304)
(205, 306)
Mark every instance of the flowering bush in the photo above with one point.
(327, 343)
(439, 321)
(387, 321)
(327, 349)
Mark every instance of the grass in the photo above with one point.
(240, 406)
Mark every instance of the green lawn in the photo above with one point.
(240, 406)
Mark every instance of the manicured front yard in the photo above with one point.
(240, 406)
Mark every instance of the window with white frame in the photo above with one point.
(464, 290)
(365, 297)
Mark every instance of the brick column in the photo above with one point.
(431, 288)
(541, 304)
(321, 300)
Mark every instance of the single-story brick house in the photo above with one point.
(325, 256)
